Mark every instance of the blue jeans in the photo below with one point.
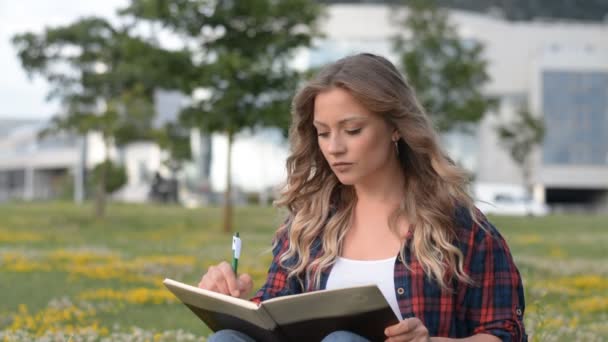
(228, 335)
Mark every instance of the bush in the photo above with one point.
(116, 176)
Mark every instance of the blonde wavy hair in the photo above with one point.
(320, 206)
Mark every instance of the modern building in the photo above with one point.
(29, 170)
(557, 69)
(570, 89)
(35, 168)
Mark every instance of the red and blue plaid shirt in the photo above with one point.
(494, 305)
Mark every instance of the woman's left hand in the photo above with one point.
(410, 329)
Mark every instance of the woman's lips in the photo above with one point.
(342, 167)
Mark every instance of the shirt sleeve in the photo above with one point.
(277, 283)
(494, 304)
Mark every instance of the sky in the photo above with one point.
(258, 161)
(20, 96)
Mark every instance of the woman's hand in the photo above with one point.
(220, 278)
(410, 329)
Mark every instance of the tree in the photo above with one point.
(521, 10)
(240, 52)
(175, 139)
(115, 176)
(446, 71)
(519, 138)
(104, 79)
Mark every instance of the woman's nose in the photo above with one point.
(336, 145)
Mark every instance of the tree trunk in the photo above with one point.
(526, 177)
(100, 196)
(227, 198)
(527, 186)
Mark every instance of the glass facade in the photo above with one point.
(575, 108)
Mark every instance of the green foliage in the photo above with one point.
(520, 137)
(115, 175)
(240, 51)
(104, 76)
(55, 252)
(446, 71)
(175, 138)
(517, 10)
(530, 9)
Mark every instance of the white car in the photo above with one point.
(508, 204)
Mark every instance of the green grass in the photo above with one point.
(53, 255)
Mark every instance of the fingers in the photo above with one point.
(245, 283)
(220, 278)
(407, 337)
(213, 281)
(229, 278)
(410, 329)
(400, 328)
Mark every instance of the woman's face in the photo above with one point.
(355, 142)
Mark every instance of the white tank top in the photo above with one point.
(349, 272)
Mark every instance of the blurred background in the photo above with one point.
(135, 135)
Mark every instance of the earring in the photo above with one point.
(396, 146)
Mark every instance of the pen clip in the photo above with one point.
(236, 246)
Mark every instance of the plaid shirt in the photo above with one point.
(495, 305)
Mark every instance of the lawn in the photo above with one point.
(66, 276)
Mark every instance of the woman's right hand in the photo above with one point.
(220, 278)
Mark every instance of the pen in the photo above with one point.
(236, 251)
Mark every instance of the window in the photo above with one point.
(575, 108)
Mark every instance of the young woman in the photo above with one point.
(373, 199)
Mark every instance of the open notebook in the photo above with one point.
(304, 317)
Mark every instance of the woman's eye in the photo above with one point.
(353, 131)
(323, 135)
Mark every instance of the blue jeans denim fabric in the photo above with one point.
(228, 335)
(235, 336)
(344, 336)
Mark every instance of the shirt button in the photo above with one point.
(400, 291)
(399, 258)
(518, 312)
